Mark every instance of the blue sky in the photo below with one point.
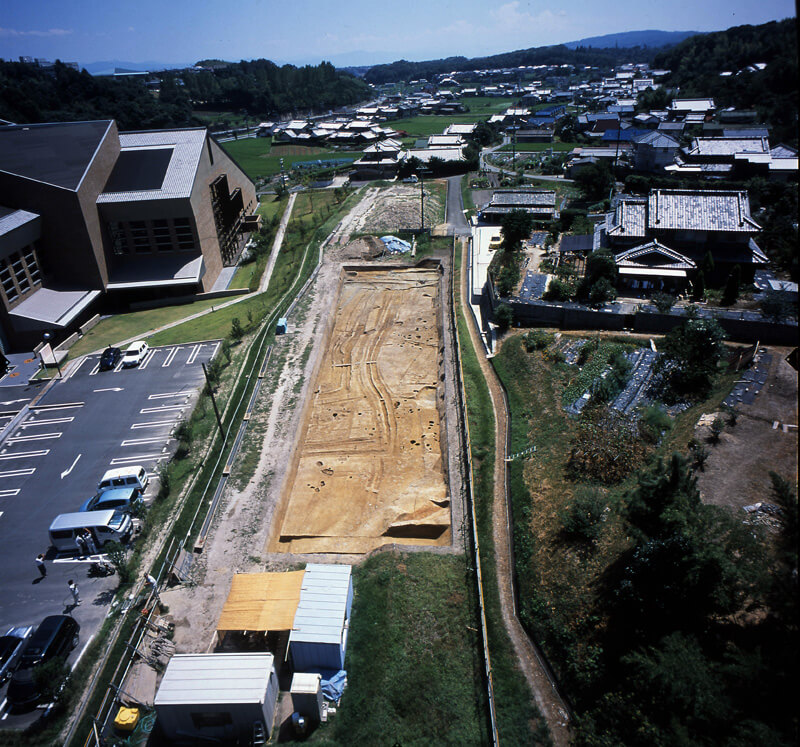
(345, 32)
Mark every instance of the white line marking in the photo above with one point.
(135, 459)
(138, 441)
(35, 437)
(65, 406)
(154, 424)
(214, 351)
(110, 389)
(13, 401)
(147, 358)
(83, 651)
(18, 472)
(96, 368)
(10, 493)
(193, 354)
(23, 454)
(171, 356)
(50, 421)
(75, 370)
(169, 394)
(160, 408)
(71, 467)
(119, 365)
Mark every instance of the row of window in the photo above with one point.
(19, 274)
(146, 237)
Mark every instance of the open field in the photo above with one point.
(260, 159)
(397, 208)
(368, 469)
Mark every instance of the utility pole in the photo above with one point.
(213, 399)
(422, 201)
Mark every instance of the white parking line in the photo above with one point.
(35, 437)
(214, 351)
(74, 370)
(9, 493)
(139, 441)
(147, 358)
(137, 459)
(154, 424)
(169, 394)
(171, 356)
(49, 421)
(96, 368)
(24, 454)
(119, 365)
(18, 472)
(160, 408)
(193, 354)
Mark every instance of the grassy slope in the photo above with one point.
(558, 585)
(518, 721)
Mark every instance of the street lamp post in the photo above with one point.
(47, 337)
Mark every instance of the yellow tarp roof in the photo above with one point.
(262, 601)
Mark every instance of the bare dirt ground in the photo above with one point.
(398, 207)
(368, 466)
(244, 520)
(737, 472)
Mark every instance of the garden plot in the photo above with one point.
(369, 466)
(397, 208)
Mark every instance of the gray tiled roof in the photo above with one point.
(186, 145)
(643, 256)
(629, 218)
(509, 198)
(656, 139)
(728, 146)
(700, 210)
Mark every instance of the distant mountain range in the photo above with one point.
(649, 38)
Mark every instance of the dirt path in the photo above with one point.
(546, 697)
(276, 245)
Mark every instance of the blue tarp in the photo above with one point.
(395, 245)
(333, 688)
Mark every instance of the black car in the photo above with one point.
(55, 637)
(110, 358)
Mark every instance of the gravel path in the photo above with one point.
(546, 697)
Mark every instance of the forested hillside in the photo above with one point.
(29, 93)
(555, 55)
(696, 65)
(260, 86)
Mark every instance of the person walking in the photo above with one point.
(40, 564)
(73, 589)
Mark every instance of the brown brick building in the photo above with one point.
(90, 216)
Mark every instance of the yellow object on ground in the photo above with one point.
(126, 719)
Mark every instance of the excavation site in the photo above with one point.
(369, 465)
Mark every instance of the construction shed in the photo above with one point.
(205, 698)
(319, 635)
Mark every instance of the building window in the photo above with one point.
(7, 282)
(183, 234)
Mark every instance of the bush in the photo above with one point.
(558, 290)
(717, 426)
(183, 435)
(602, 292)
(582, 519)
(731, 294)
(504, 316)
(700, 454)
(237, 331)
(118, 556)
(653, 423)
(663, 302)
(537, 339)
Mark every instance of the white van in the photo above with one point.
(106, 526)
(124, 477)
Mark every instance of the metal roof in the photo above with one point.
(57, 153)
(178, 177)
(728, 146)
(523, 198)
(195, 679)
(700, 210)
(11, 219)
(54, 306)
(322, 609)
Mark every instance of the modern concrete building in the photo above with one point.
(90, 214)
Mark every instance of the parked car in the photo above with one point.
(135, 353)
(122, 477)
(124, 499)
(12, 644)
(55, 637)
(110, 358)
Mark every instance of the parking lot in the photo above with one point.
(52, 459)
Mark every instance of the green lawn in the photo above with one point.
(123, 326)
(255, 156)
(433, 124)
(269, 207)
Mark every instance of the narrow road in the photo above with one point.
(545, 695)
(454, 217)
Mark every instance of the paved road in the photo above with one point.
(456, 222)
(51, 461)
